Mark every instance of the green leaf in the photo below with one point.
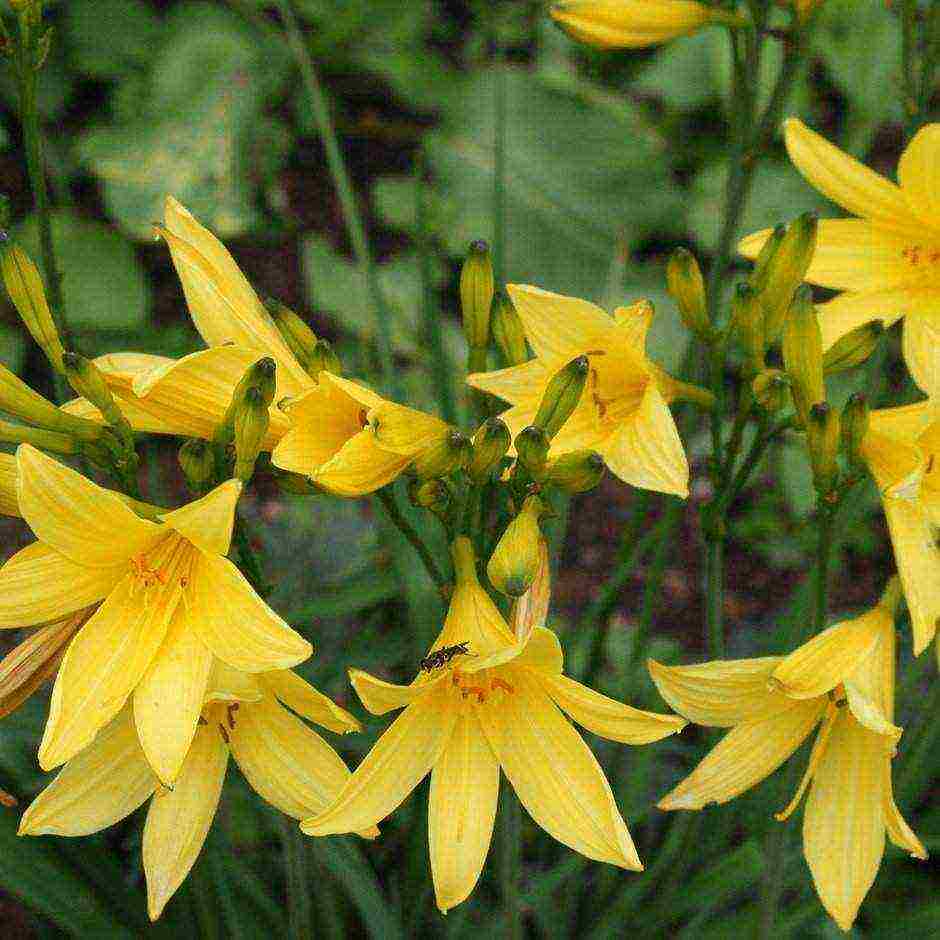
(132, 33)
(12, 347)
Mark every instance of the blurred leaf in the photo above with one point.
(133, 31)
(12, 347)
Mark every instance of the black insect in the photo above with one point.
(444, 655)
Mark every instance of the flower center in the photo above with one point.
(168, 564)
(223, 716)
(482, 685)
(922, 259)
(613, 389)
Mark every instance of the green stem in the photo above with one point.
(248, 558)
(387, 498)
(354, 224)
(294, 846)
(510, 826)
(715, 595)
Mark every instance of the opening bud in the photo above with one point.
(577, 471)
(515, 561)
(854, 428)
(562, 395)
(770, 389)
(451, 453)
(476, 294)
(687, 287)
(198, 464)
(854, 348)
(250, 429)
(532, 446)
(747, 321)
(490, 444)
(261, 376)
(300, 339)
(802, 353)
(822, 439)
(508, 331)
(433, 495)
(24, 285)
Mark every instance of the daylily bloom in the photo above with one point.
(841, 680)
(632, 24)
(287, 763)
(170, 600)
(623, 413)
(887, 259)
(496, 706)
(328, 427)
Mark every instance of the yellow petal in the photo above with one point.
(844, 826)
(8, 501)
(899, 832)
(359, 467)
(922, 350)
(869, 686)
(633, 324)
(519, 385)
(461, 811)
(895, 460)
(919, 175)
(223, 305)
(398, 762)
(405, 431)
(103, 664)
(846, 181)
(745, 755)
(559, 328)
(869, 714)
(236, 624)
(88, 524)
(179, 819)
(605, 716)
(354, 391)
(379, 696)
(38, 585)
(646, 450)
(285, 762)
(555, 775)
(99, 786)
(474, 619)
(542, 652)
(819, 748)
(851, 310)
(168, 701)
(226, 684)
(722, 693)
(303, 698)
(824, 661)
(531, 610)
(207, 522)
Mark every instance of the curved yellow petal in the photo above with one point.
(519, 385)
(99, 786)
(380, 697)
(358, 468)
(555, 775)
(303, 698)
(844, 825)
(179, 819)
(851, 310)
(9, 506)
(88, 524)
(746, 755)
(919, 175)
(646, 450)
(399, 761)
(633, 323)
(722, 693)
(461, 811)
(846, 181)
(815, 756)
(542, 652)
(354, 391)
(168, 700)
(226, 684)
(236, 624)
(38, 585)
(103, 664)
(474, 619)
(922, 349)
(285, 762)
(405, 431)
(605, 716)
(899, 832)
(869, 715)
(207, 522)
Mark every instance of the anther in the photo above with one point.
(498, 683)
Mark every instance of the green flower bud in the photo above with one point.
(451, 453)
(562, 395)
(577, 471)
(490, 444)
(854, 348)
(687, 287)
(198, 464)
(300, 339)
(802, 353)
(508, 331)
(476, 294)
(758, 278)
(748, 324)
(89, 382)
(433, 495)
(822, 439)
(24, 285)
(854, 428)
(250, 429)
(770, 389)
(324, 359)
(532, 446)
(261, 375)
(515, 561)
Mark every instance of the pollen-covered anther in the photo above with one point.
(146, 576)
(477, 690)
(498, 683)
(230, 714)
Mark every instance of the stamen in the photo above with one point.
(230, 712)
(224, 734)
(479, 691)
(498, 683)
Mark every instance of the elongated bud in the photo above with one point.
(324, 359)
(198, 464)
(19, 400)
(562, 395)
(476, 294)
(748, 323)
(88, 381)
(823, 438)
(687, 287)
(532, 445)
(251, 428)
(451, 453)
(490, 444)
(854, 428)
(24, 285)
(758, 278)
(300, 339)
(854, 348)
(433, 495)
(53, 441)
(770, 389)
(508, 331)
(515, 561)
(802, 353)
(784, 272)
(577, 471)
(261, 375)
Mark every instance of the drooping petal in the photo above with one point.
(745, 755)
(922, 349)
(168, 700)
(38, 585)
(85, 522)
(398, 762)
(103, 665)
(354, 391)
(207, 522)
(236, 624)
(869, 686)
(380, 697)
(605, 716)
(646, 450)
(358, 468)
(815, 756)
(851, 310)
(919, 175)
(461, 811)
(722, 693)
(226, 684)
(303, 698)
(285, 762)
(102, 784)
(519, 385)
(179, 819)
(868, 713)
(322, 420)
(9, 506)
(843, 825)
(899, 832)
(405, 431)
(555, 775)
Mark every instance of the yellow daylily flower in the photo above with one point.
(841, 680)
(8, 503)
(170, 600)
(887, 257)
(623, 414)
(498, 705)
(632, 24)
(286, 763)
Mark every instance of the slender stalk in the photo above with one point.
(715, 593)
(294, 846)
(510, 826)
(387, 498)
(347, 197)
